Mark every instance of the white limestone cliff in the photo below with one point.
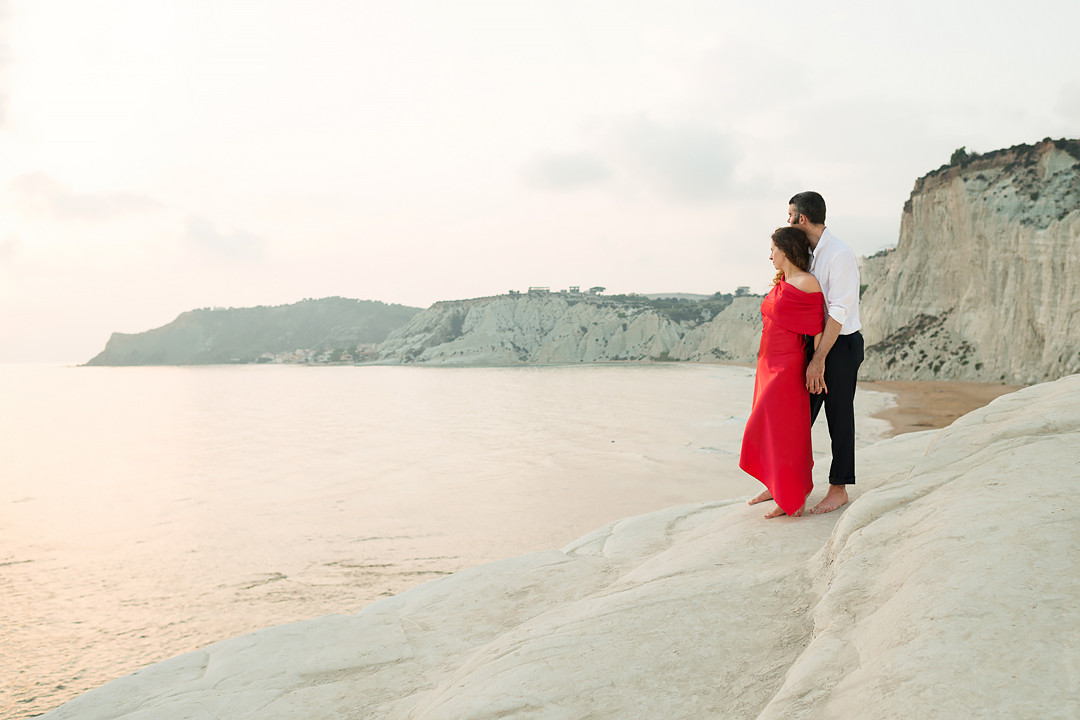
(984, 283)
(732, 336)
(558, 329)
(946, 589)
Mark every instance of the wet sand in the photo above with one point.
(928, 405)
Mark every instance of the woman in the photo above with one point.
(776, 442)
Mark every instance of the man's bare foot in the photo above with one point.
(777, 512)
(761, 497)
(833, 499)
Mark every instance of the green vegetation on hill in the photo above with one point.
(681, 310)
(331, 328)
(1021, 154)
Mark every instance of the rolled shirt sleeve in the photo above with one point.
(843, 297)
(837, 269)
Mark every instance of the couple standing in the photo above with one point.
(810, 353)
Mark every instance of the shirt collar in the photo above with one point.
(823, 240)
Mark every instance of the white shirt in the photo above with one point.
(836, 269)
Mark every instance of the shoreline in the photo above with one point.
(932, 404)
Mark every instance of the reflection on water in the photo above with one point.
(147, 512)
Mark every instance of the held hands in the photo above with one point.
(815, 377)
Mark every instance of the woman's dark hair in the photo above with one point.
(810, 204)
(792, 241)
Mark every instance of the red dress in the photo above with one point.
(776, 442)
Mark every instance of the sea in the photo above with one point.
(146, 512)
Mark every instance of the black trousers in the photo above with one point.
(841, 371)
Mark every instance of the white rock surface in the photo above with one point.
(947, 589)
(558, 329)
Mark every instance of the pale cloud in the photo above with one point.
(685, 162)
(680, 162)
(567, 171)
(5, 59)
(38, 194)
(235, 245)
(1068, 104)
(9, 247)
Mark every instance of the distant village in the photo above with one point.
(574, 291)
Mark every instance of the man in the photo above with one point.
(832, 371)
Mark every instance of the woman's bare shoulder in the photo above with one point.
(805, 282)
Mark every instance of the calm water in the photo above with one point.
(147, 512)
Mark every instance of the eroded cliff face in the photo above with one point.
(558, 329)
(732, 336)
(984, 283)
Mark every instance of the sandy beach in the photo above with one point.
(931, 405)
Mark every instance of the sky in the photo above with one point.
(158, 156)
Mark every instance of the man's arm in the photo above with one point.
(815, 369)
(843, 296)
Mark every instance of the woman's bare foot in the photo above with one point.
(833, 499)
(761, 497)
(777, 512)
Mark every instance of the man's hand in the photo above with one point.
(815, 369)
(815, 376)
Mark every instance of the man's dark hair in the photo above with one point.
(810, 204)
